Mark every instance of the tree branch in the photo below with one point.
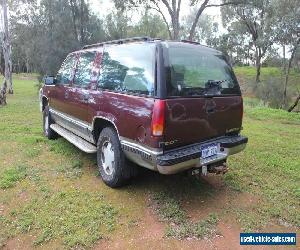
(163, 16)
(199, 12)
(223, 4)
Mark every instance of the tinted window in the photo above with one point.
(66, 72)
(84, 67)
(128, 68)
(194, 70)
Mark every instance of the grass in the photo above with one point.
(11, 176)
(51, 196)
(168, 209)
(76, 217)
(270, 166)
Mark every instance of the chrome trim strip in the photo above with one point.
(104, 118)
(70, 119)
(123, 140)
(147, 151)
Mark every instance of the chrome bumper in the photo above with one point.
(198, 162)
(184, 158)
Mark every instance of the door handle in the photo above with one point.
(66, 94)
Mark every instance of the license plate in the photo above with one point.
(209, 150)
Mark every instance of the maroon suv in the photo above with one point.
(168, 106)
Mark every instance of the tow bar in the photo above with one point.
(215, 169)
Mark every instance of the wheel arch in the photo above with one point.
(99, 123)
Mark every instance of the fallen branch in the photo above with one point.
(295, 104)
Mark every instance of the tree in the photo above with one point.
(150, 25)
(287, 23)
(48, 30)
(256, 18)
(116, 25)
(173, 8)
(6, 46)
(205, 31)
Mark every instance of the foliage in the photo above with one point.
(271, 87)
(49, 30)
(252, 22)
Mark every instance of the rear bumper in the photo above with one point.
(190, 157)
(183, 158)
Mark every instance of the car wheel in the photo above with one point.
(47, 121)
(111, 161)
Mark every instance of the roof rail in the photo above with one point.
(120, 41)
(189, 41)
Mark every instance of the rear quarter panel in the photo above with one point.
(131, 114)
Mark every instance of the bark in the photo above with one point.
(258, 66)
(74, 13)
(173, 10)
(287, 72)
(3, 94)
(7, 53)
(291, 108)
(82, 39)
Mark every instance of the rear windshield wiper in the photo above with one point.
(187, 91)
(213, 87)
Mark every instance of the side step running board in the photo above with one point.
(74, 139)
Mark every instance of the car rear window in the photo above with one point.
(128, 68)
(194, 71)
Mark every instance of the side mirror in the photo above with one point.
(49, 80)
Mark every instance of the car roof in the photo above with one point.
(168, 43)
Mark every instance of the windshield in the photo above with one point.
(194, 71)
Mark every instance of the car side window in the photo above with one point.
(66, 72)
(128, 68)
(83, 72)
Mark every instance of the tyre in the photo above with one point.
(112, 164)
(47, 121)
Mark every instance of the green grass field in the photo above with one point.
(51, 196)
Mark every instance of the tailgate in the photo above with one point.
(193, 120)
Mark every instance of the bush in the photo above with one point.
(270, 92)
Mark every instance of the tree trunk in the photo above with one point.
(82, 19)
(7, 53)
(258, 65)
(287, 72)
(74, 13)
(3, 94)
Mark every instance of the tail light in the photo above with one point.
(158, 118)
